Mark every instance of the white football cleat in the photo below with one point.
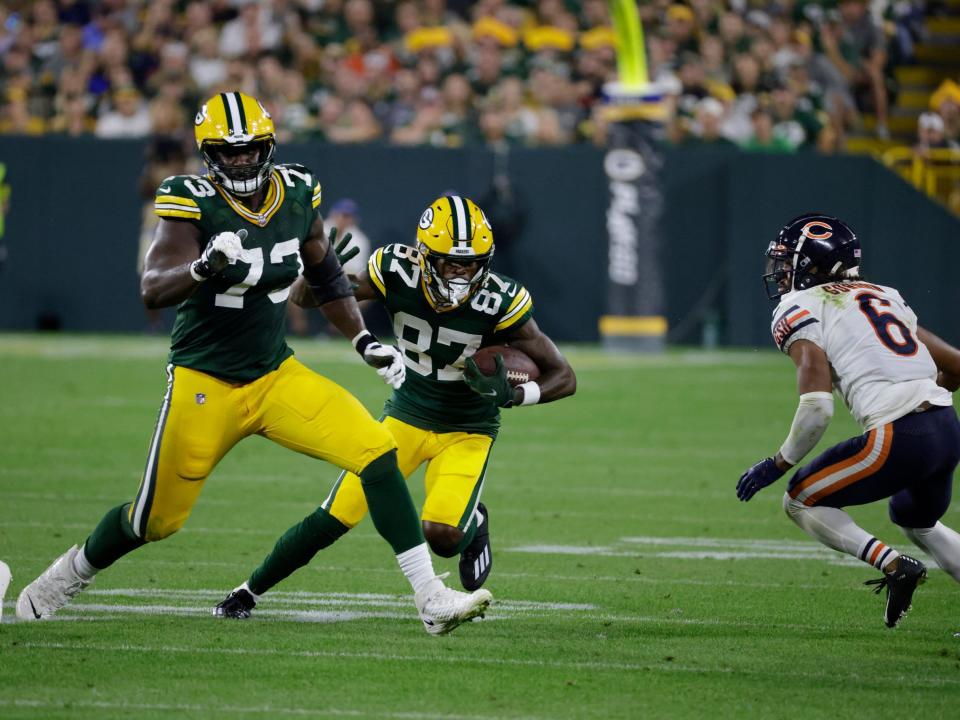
(55, 587)
(442, 609)
(4, 584)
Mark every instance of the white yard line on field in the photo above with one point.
(265, 710)
(303, 597)
(346, 607)
(473, 659)
(824, 555)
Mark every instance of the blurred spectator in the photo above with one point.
(344, 215)
(128, 118)
(207, 67)
(445, 72)
(424, 126)
(855, 45)
(165, 156)
(763, 138)
(458, 122)
(707, 130)
(945, 101)
(800, 129)
(681, 28)
(931, 134)
(253, 31)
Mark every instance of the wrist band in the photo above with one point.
(362, 340)
(531, 393)
(193, 271)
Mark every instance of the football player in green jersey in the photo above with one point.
(227, 248)
(446, 303)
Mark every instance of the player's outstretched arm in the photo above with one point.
(166, 278)
(945, 356)
(814, 412)
(362, 287)
(557, 379)
(333, 293)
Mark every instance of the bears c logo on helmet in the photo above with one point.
(808, 230)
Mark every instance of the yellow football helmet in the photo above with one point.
(453, 230)
(233, 123)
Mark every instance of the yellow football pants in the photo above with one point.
(456, 463)
(202, 417)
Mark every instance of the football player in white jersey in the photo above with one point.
(862, 340)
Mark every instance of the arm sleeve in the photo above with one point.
(814, 413)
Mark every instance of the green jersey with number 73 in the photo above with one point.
(234, 325)
(435, 343)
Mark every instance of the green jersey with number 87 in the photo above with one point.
(435, 342)
(234, 325)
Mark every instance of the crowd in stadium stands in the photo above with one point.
(775, 76)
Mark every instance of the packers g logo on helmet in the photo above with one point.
(454, 230)
(234, 122)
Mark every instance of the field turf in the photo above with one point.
(630, 582)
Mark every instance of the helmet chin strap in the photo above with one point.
(796, 262)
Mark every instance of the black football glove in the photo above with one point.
(496, 387)
(343, 255)
(758, 477)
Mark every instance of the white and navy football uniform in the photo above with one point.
(887, 379)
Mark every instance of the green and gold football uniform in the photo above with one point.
(231, 373)
(436, 343)
(434, 417)
(234, 325)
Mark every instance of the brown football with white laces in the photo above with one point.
(520, 367)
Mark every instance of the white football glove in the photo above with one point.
(388, 361)
(223, 249)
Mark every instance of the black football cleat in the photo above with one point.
(476, 560)
(900, 585)
(237, 605)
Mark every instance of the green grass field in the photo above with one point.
(629, 580)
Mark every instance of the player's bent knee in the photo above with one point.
(442, 539)
(160, 528)
(383, 465)
(379, 437)
(792, 507)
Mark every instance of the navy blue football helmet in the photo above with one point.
(811, 250)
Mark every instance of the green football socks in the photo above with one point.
(111, 539)
(391, 506)
(296, 548)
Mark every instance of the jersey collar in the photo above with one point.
(271, 203)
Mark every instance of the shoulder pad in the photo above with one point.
(395, 266)
(179, 196)
(299, 177)
(517, 305)
(795, 312)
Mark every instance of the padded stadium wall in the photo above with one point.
(74, 221)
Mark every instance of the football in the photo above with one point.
(520, 367)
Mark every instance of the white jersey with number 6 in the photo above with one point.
(869, 335)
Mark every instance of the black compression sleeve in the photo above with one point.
(327, 280)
